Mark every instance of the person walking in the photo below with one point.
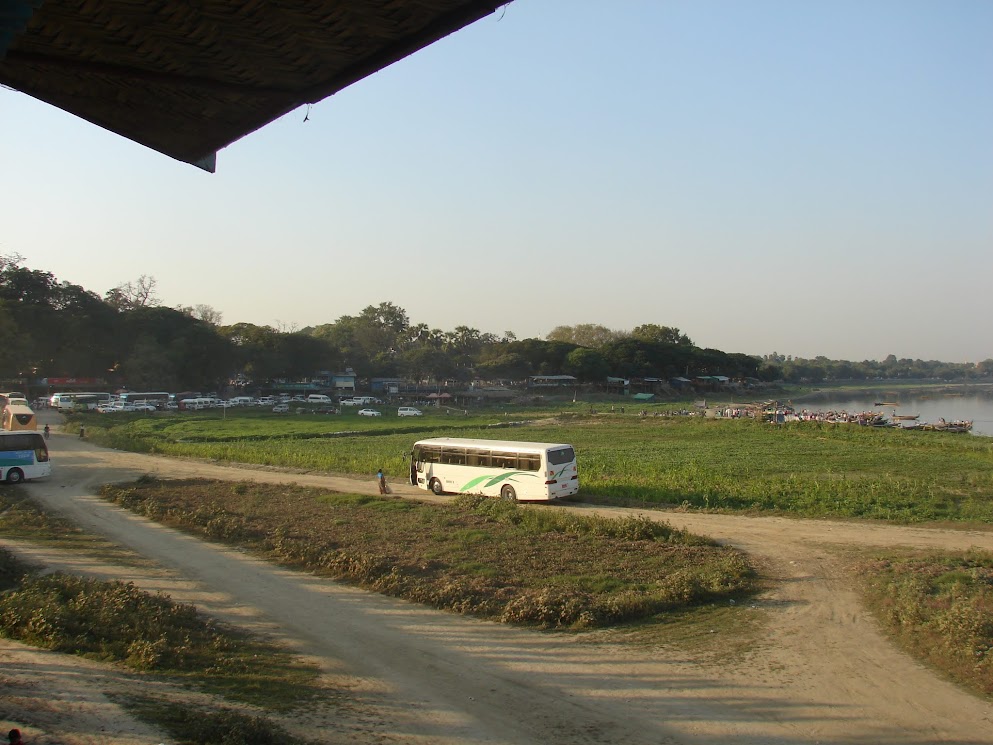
(82, 431)
(381, 477)
(47, 431)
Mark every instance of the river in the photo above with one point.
(931, 405)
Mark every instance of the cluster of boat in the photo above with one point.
(958, 425)
(780, 413)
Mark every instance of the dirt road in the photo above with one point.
(821, 674)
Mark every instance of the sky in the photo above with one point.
(808, 178)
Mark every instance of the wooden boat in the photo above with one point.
(906, 417)
(887, 403)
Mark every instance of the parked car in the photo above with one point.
(281, 408)
(409, 411)
(369, 412)
(350, 402)
(144, 406)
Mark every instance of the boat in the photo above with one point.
(906, 417)
(887, 403)
(959, 425)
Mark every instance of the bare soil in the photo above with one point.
(820, 673)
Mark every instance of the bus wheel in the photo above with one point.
(15, 476)
(508, 493)
(436, 487)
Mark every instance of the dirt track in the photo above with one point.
(823, 674)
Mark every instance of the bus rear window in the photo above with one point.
(561, 456)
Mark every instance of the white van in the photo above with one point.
(317, 398)
(196, 404)
(241, 401)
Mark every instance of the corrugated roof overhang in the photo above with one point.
(189, 77)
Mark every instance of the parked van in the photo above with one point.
(317, 398)
(196, 404)
(242, 401)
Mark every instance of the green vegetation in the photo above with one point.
(488, 558)
(130, 338)
(117, 624)
(939, 606)
(114, 622)
(805, 469)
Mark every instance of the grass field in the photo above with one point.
(803, 469)
(484, 557)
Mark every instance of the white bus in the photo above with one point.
(158, 399)
(23, 455)
(511, 470)
(87, 399)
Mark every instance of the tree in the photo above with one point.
(387, 315)
(131, 295)
(661, 334)
(206, 313)
(586, 364)
(591, 335)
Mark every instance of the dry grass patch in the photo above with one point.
(534, 566)
(939, 606)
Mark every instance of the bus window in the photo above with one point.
(560, 456)
(453, 456)
(427, 453)
(477, 457)
(505, 460)
(529, 462)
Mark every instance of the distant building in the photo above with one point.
(343, 382)
(551, 381)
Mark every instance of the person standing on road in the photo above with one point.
(47, 431)
(381, 477)
(82, 431)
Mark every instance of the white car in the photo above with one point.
(369, 412)
(281, 408)
(409, 411)
(142, 406)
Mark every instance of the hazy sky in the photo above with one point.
(800, 177)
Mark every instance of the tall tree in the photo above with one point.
(660, 334)
(131, 295)
(591, 335)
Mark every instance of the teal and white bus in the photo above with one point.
(23, 455)
(526, 471)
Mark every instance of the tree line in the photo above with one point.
(52, 329)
